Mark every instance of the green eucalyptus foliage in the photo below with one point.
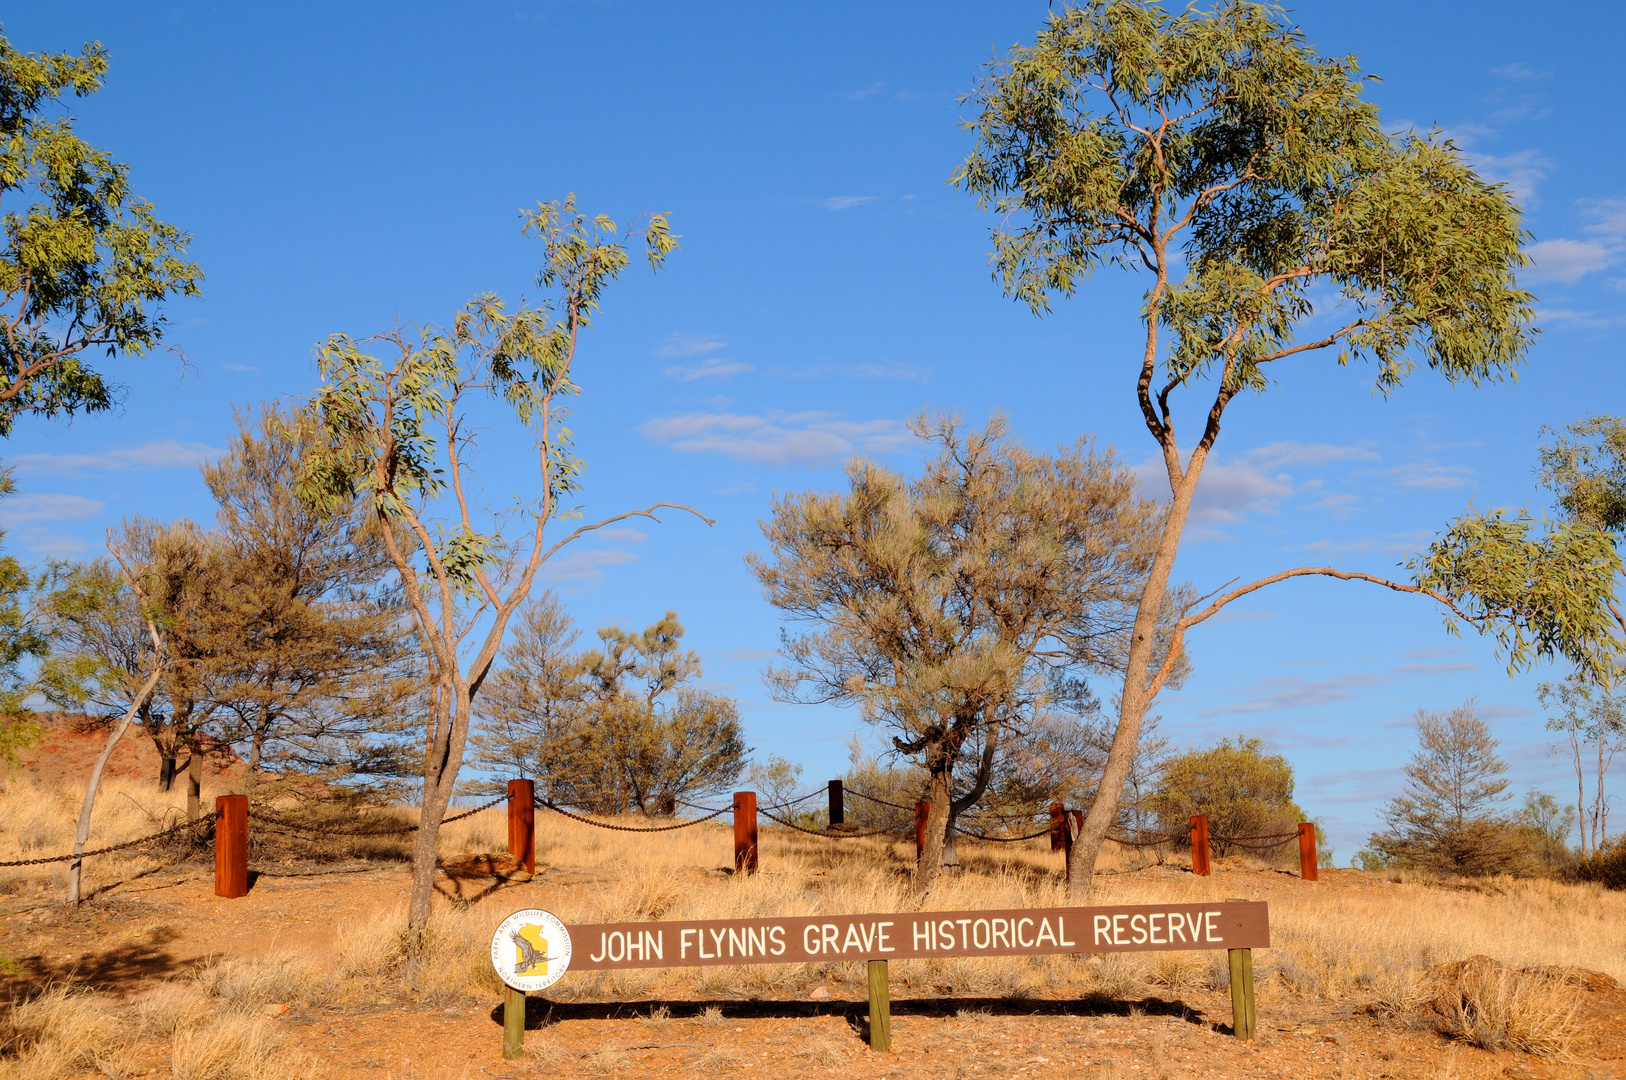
(1547, 588)
(85, 263)
(20, 641)
(1221, 152)
(390, 421)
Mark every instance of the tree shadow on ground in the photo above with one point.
(540, 1012)
(113, 970)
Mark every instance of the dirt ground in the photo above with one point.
(131, 937)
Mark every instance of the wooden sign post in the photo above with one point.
(838, 811)
(1236, 926)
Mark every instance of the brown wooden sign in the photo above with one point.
(920, 935)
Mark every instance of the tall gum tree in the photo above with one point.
(1221, 154)
(398, 432)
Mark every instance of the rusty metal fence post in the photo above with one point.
(1307, 852)
(1199, 846)
(745, 832)
(838, 809)
(522, 823)
(231, 846)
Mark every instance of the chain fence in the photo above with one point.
(824, 834)
(261, 814)
(632, 828)
(182, 827)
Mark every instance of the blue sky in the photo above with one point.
(341, 165)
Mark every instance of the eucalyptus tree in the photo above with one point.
(946, 606)
(396, 432)
(1219, 153)
(86, 264)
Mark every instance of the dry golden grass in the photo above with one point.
(1492, 1007)
(39, 821)
(1374, 943)
(1371, 945)
(235, 1048)
(61, 1032)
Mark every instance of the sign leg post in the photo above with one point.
(513, 1023)
(880, 1008)
(1244, 1018)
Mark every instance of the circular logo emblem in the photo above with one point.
(530, 950)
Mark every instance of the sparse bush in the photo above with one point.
(1242, 790)
(247, 986)
(235, 1048)
(1493, 1007)
(62, 1032)
(1607, 867)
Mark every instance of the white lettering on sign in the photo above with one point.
(1232, 925)
(1153, 928)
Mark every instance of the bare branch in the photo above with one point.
(1180, 628)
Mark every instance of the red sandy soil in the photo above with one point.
(132, 935)
(129, 937)
(70, 745)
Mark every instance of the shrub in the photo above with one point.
(1607, 866)
(1242, 790)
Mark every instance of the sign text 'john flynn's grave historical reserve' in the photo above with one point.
(920, 934)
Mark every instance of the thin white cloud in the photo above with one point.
(1585, 320)
(164, 454)
(1433, 654)
(1436, 669)
(1430, 475)
(712, 367)
(586, 567)
(1568, 261)
(1269, 695)
(1338, 505)
(811, 438)
(1278, 455)
(845, 202)
(1520, 71)
(748, 656)
(1607, 217)
(859, 95)
(677, 345)
(1522, 171)
(1228, 616)
(25, 508)
(865, 371)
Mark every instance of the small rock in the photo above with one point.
(820, 994)
(277, 1009)
(1333, 1037)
